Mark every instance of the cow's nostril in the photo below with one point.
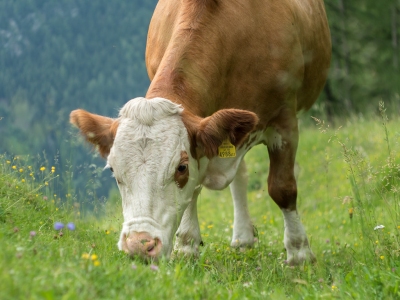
(154, 248)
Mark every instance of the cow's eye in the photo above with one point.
(182, 168)
(111, 169)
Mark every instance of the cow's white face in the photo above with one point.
(155, 172)
(150, 150)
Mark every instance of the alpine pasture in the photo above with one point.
(348, 182)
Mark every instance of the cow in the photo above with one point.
(225, 76)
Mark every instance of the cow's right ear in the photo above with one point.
(97, 130)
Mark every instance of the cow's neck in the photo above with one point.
(186, 76)
(180, 85)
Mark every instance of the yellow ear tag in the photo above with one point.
(226, 149)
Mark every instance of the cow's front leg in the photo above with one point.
(243, 230)
(282, 146)
(188, 238)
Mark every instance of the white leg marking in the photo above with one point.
(188, 236)
(295, 239)
(273, 138)
(243, 231)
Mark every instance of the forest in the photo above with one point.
(56, 56)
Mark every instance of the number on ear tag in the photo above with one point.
(226, 149)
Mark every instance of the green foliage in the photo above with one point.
(63, 55)
(365, 65)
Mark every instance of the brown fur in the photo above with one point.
(255, 55)
(97, 130)
(207, 134)
(235, 66)
(181, 178)
(232, 124)
(260, 56)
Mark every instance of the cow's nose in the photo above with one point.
(143, 244)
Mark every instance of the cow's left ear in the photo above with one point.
(97, 130)
(232, 124)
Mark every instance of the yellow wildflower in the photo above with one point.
(351, 211)
(14, 167)
(21, 170)
(85, 255)
(8, 162)
(93, 257)
(382, 257)
(53, 169)
(42, 168)
(210, 226)
(96, 263)
(46, 183)
(23, 180)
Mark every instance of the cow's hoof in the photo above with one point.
(244, 236)
(300, 257)
(186, 251)
(243, 242)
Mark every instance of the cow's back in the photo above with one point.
(255, 55)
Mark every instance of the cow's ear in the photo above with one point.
(232, 124)
(97, 130)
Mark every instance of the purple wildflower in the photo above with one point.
(71, 226)
(134, 267)
(58, 225)
(154, 267)
(32, 234)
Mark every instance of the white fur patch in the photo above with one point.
(295, 239)
(145, 154)
(273, 138)
(243, 231)
(146, 111)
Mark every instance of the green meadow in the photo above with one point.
(348, 198)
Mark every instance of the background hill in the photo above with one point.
(56, 56)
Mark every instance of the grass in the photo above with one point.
(349, 181)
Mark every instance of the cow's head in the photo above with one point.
(154, 150)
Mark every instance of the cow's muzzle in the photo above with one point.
(142, 244)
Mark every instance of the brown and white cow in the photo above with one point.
(225, 75)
